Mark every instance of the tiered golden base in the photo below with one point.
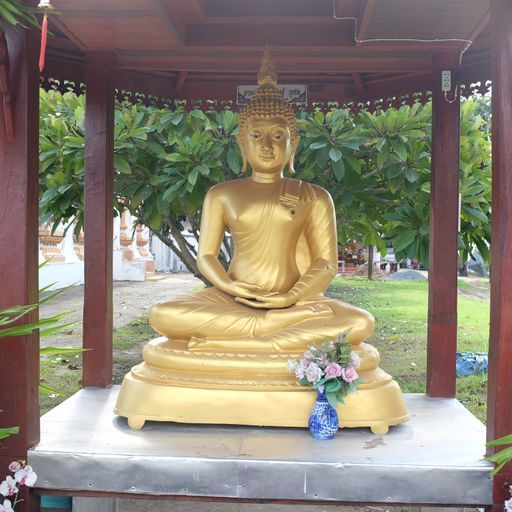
(175, 384)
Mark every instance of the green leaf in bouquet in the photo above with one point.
(332, 399)
(340, 396)
(332, 385)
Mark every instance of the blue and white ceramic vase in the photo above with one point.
(323, 421)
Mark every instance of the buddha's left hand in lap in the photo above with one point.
(278, 301)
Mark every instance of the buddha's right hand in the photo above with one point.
(246, 290)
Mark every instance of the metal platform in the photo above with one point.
(435, 459)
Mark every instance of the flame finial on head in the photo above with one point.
(267, 73)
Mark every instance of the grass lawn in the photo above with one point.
(400, 309)
(64, 374)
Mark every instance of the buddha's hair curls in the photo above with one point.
(265, 103)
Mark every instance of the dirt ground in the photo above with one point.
(131, 300)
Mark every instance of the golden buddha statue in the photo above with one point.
(223, 354)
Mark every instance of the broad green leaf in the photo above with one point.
(402, 241)
(411, 175)
(318, 145)
(393, 172)
(233, 159)
(353, 162)
(400, 150)
(155, 220)
(171, 191)
(334, 154)
(122, 165)
(338, 168)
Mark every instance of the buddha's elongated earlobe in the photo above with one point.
(243, 170)
(240, 141)
(291, 167)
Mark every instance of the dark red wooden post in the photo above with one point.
(444, 218)
(19, 194)
(499, 409)
(99, 158)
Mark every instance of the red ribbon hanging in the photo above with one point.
(44, 36)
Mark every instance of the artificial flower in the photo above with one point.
(26, 476)
(8, 487)
(292, 365)
(349, 374)
(333, 370)
(14, 466)
(6, 506)
(300, 370)
(313, 373)
(355, 359)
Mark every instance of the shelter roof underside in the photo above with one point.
(343, 50)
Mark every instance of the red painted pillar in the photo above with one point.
(444, 218)
(98, 219)
(19, 194)
(499, 409)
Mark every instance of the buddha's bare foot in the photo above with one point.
(196, 343)
(277, 319)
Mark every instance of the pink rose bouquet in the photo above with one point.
(331, 366)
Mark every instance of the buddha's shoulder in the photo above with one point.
(228, 186)
(224, 189)
(307, 192)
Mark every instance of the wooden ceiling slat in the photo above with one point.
(248, 35)
(365, 19)
(143, 32)
(161, 10)
(282, 8)
(480, 27)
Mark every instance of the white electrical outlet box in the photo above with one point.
(446, 81)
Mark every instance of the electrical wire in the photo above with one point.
(467, 42)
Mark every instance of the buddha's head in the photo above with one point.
(268, 134)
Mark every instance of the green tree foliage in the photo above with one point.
(376, 166)
(17, 13)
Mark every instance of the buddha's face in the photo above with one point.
(267, 146)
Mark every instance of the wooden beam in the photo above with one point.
(479, 27)
(19, 198)
(98, 220)
(54, 20)
(243, 62)
(444, 220)
(180, 82)
(365, 20)
(162, 11)
(499, 412)
(359, 82)
(242, 35)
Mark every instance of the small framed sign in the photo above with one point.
(296, 94)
